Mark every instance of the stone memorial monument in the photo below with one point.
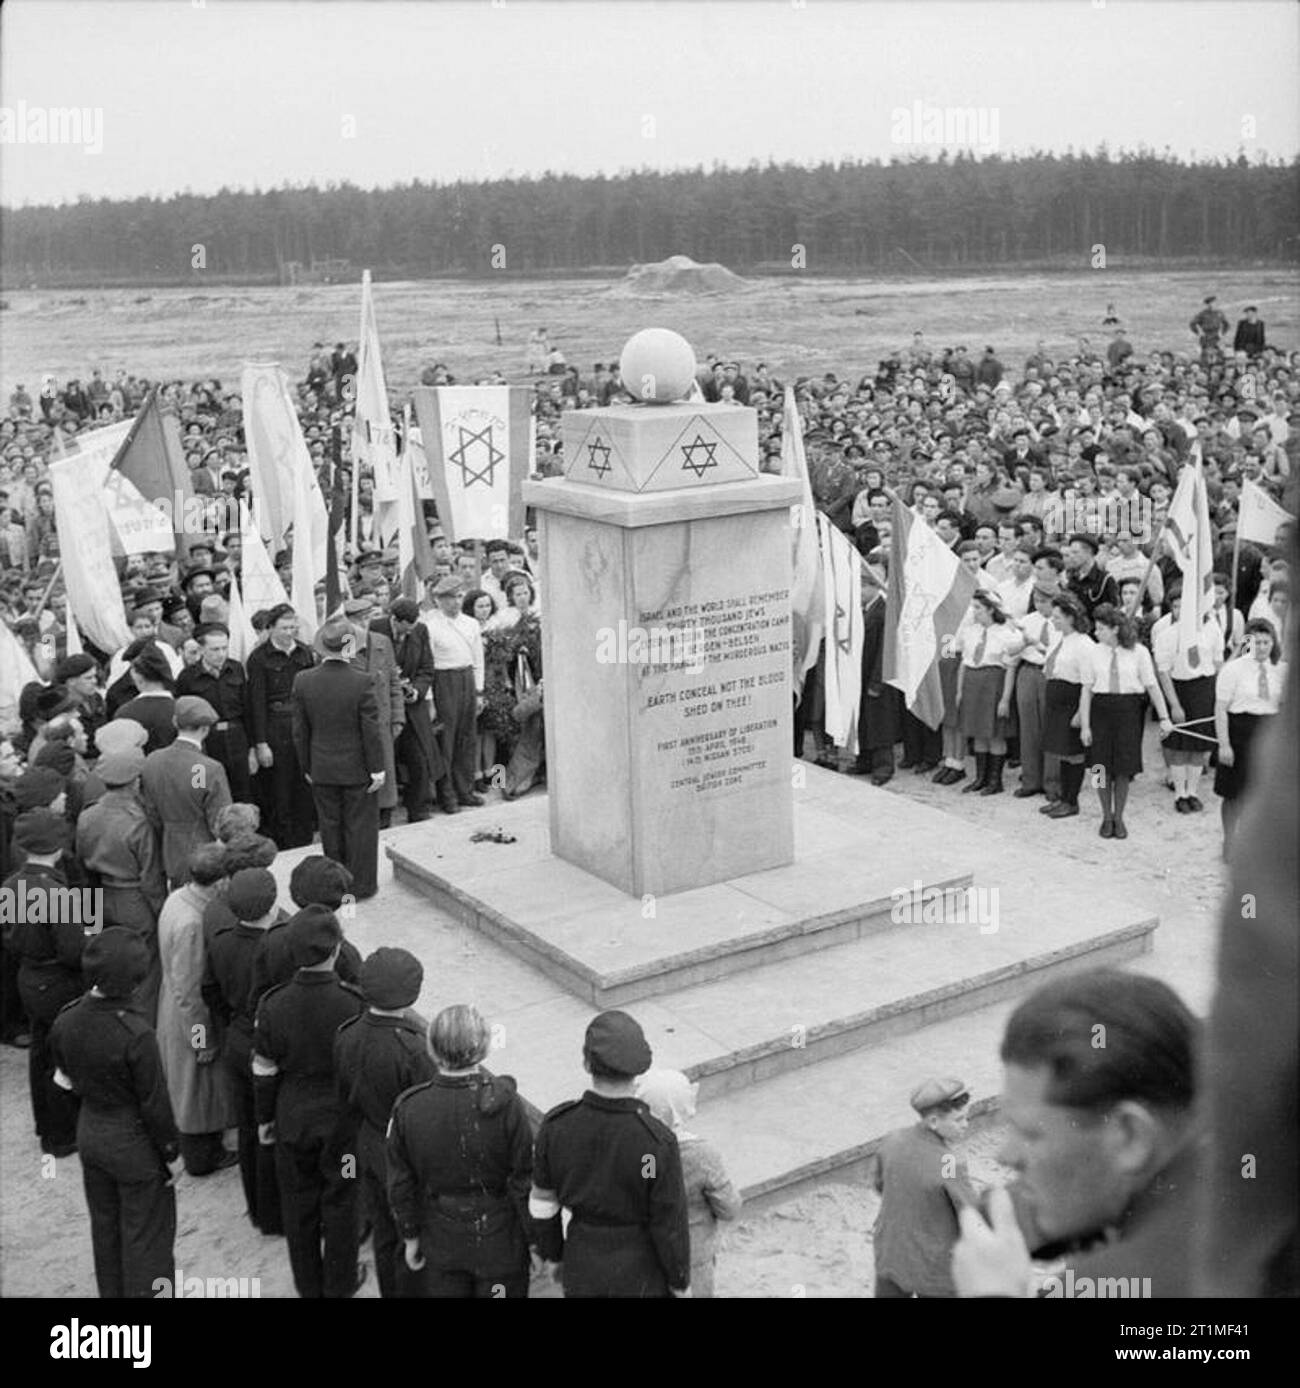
(666, 565)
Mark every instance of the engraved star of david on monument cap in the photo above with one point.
(696, 445)
(460, 456)
(599, 446)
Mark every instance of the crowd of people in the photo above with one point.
(167, 776)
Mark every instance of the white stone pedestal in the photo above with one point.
(666, 650)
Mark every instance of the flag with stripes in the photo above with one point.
(928, 593)
(414, 553)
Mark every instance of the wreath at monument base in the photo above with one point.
(501, 692)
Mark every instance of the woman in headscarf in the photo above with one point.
(710, 1195)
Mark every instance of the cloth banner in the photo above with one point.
(807, 596)
(89, 576)
(476, 442)
(842, 621)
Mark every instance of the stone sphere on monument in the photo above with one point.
(658, 366)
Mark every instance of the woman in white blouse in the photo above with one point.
(1111, 711)
(1187, 678)
(985, 678)
(1066, 664)
(1247, 694)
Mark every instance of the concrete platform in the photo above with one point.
(801, 1006)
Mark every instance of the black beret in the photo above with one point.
(250, 894)
(617, 1042)
(58, 757)
(41, 831)
(314, 934)
(405, 610)
(37, 788)
(391, 978)
(151, 664)
(115, 960)
(52, 701)
(1083, 538)
(71, 666)
(319, 881)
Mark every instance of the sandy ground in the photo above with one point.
(799, 326)
(816, 1245)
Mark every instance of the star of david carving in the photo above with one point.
(460, 456)
(691, 463)
(841, 625)
(599, 446)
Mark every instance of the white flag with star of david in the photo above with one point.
(476, 441)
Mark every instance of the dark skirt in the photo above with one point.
(981, 690)
(1197, 699)
(1059, 738)
(1243, 728)
(1117, 722)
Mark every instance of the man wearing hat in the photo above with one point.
(374, 655)
(617, 1169)
(922, 1185)
(120, 735)
(79, 675)
(183, 789)
(46, 937)
(298, 1108)
(106, 1054)
(458, 673)
(418, 750)
(1209, 325)
(272, 668)
(379, 1054)
(228, 991)
(222, 682)
(340, 745)
(120, 851)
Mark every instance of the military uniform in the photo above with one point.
(294, 1088)
(460, 1165)
(116, 842)
(618, 1170)
(227, 740)
(49, 977)
(290, 812)
(126, 1134)
(377, 1058)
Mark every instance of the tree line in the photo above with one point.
(935, 213)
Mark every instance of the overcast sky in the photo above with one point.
(201, 95)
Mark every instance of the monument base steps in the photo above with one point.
(808, 1000)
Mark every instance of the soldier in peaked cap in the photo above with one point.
(618, 1170)
(126, 1135)
(298, 1109)
(922, 1185)
(379, 1054)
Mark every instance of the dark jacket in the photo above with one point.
(336, 729)
(617, 1168)
(460, 1165)
(110, 1055)
(294, 1030)
(376, 1059)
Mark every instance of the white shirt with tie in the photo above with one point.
(1115, 670)
(1070, 659)
(457, 643)
(1171, 659)
(1248, 685)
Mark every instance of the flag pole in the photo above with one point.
(49, 587)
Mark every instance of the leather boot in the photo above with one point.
(993, 785)
(981, 773)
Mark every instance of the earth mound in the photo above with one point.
(679, 274)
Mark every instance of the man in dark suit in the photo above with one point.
(418, 750)
(340, 747)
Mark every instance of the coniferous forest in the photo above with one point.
(928, 214)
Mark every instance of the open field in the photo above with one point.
(798, 326)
